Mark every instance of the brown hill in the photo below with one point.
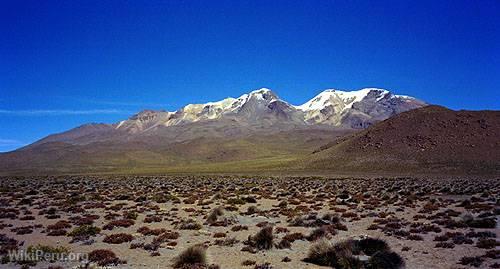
(192, 148)
(432, 139)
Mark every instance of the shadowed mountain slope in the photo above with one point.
(432, 139)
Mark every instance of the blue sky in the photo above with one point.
(65, 63)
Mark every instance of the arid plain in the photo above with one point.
(251, 222)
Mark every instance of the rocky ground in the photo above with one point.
(251, 222)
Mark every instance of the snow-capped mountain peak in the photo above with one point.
(348, 97)
(331, 106)
(355, 108)
(211, 109)
(261, 91)
(260, 94)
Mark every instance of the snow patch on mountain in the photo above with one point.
(327, 97)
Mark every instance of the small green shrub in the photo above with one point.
(84, 231)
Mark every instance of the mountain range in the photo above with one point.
(355, 109)
(257, 131)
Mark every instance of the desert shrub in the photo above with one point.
(231, 208)
(164, 237)
(236, 201)
(163, 198)
(8, 213)
(214, 214)
(312, 220)
(441, 238)
(172, 243)
(28, 217)
(111, 216)
(249, 199)
(492, 254)
(460, 239)
(262, 224)
(263, 239)
(62, 224)
(401, 233)
(263, 266)
(151, 246)
(147, 231)
(332, 218)
(252, 210)
(238, 228)
(284, 244)
(83, 220)
(84, 231)
(472, 261)
(248, 263)
(415, 237)
(342, 254)
(317, 234)
(118, 223)
(297, 221)
(281, 230)
(483, 234)
(23, 230)
(224, 222)
(104, 257)
(324, 253)
(349, 215)
(136, 245)
(487, 223)
(118, 238)
(144, 230)
(486, 243)
(130, 215)
(385, 260)
(371, 245)
(228, 242)
(7, 244)
(190, 200)
(282, 204)
(393, 225)
(189, 224)
(47, 250)
(431, 228)
(219, 235)
(339, 226)
(150, 219)
(294, 236)
(194, 255)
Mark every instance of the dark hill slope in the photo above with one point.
(432, 139)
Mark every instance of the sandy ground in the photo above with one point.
(269, 193)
